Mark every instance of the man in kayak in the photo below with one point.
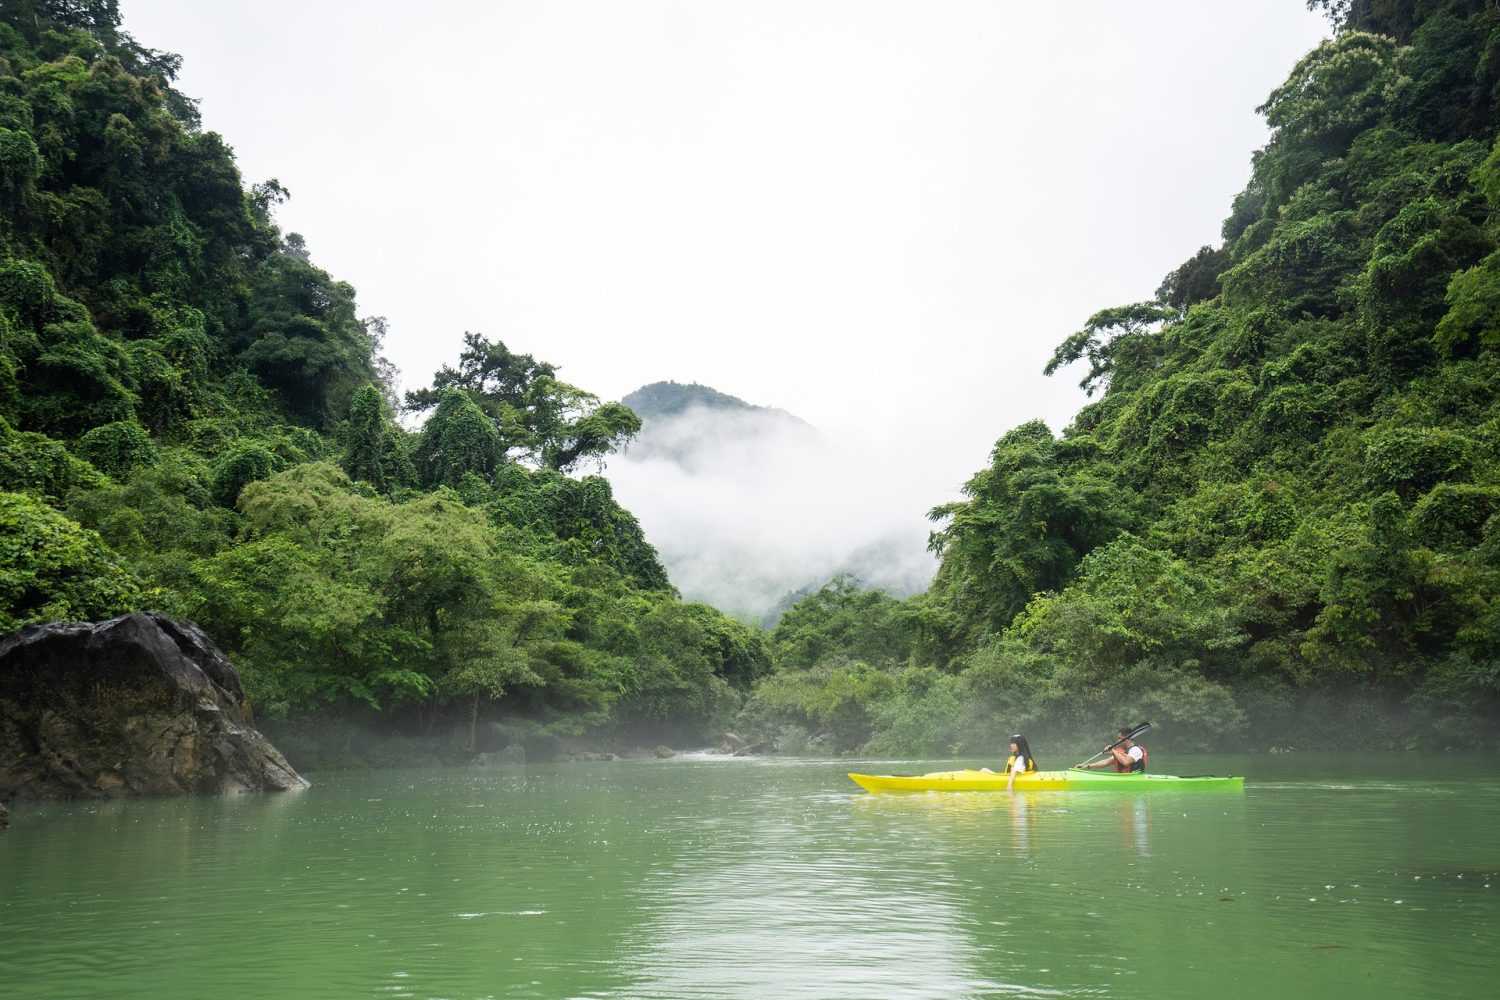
(1126, 755)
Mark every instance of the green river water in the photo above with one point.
(704, 877)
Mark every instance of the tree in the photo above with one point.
(1113, 340)
(488, 370)
(244, 463)
(1473, 316)
(93, 15)
(457, 439)
(117, 448)
(1196, 280)
(1340, 89)
(1027, 522)
(304, 339)
(376, 449)
(578, 427)
(37, 464)
(539, 419)
(51, 569)
(489, 655)
(581, 512)
(1389, 17)
(841, 619)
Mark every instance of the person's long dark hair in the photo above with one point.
(1024, 749)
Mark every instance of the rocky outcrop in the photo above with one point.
(138, 705)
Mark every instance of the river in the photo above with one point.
(702, 877)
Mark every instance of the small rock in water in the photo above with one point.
(663, 751)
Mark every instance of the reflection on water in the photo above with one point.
(1139, 812)
(714, 878)
(786, 925)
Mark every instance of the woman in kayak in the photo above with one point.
(1020, 761)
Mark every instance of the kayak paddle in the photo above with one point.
(1140, 730)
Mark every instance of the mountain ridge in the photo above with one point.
(670, 398)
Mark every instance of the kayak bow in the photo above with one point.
(1073, 780)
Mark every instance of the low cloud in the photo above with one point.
(747, 506)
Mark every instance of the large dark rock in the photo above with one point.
(139, 705)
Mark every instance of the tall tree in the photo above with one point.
(540, 420)
(376, 449)
(458, 439)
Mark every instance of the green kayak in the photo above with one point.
(1071, 780)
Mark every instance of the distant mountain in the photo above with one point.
(745, 503)
(693, 425)
(670, 399)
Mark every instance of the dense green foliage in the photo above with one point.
(1279, 518)
(195, 418)
(531, 415)
(50, 568)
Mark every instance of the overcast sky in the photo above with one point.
(878, 215)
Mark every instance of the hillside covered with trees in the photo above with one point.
(195, 418)
(1277, 521)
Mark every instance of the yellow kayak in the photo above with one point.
(1072, 780)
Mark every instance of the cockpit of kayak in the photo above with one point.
(1071, 780)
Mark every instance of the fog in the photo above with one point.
(746, 506)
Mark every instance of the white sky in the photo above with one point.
(880, 215)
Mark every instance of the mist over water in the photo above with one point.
(747, 506)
